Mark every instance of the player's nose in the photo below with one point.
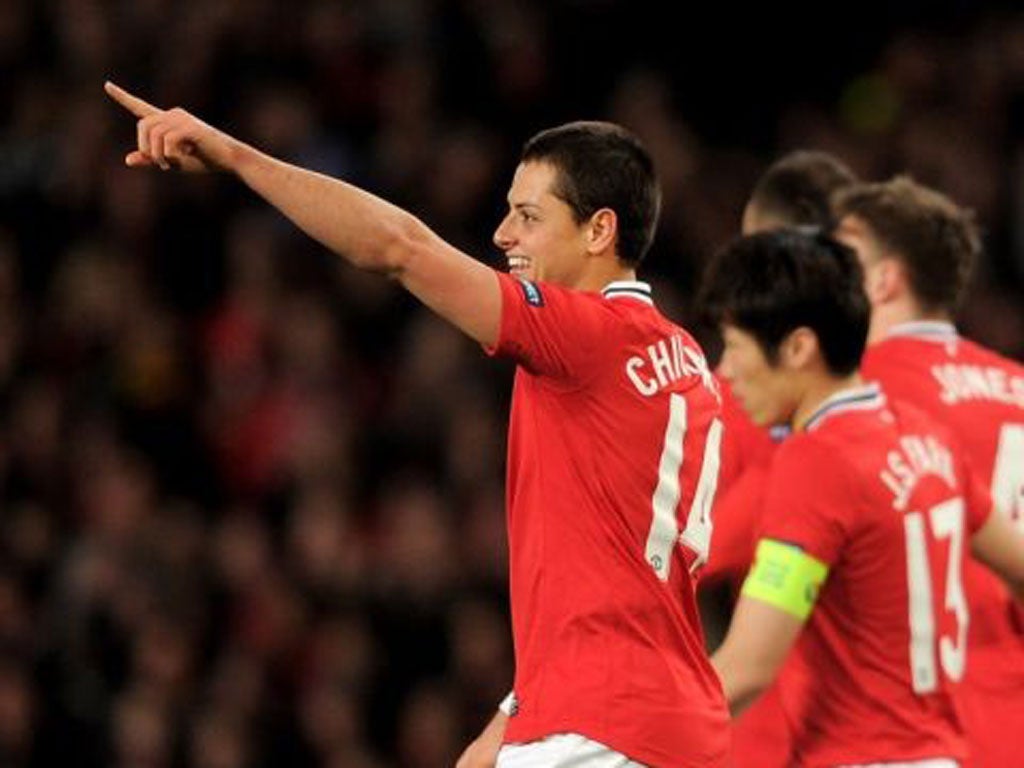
(503, 235)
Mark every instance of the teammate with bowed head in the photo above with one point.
(796, 190)
(613, 435)
(854, 602)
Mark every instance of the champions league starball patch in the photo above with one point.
(531, 293)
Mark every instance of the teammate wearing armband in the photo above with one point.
(796, 190)
(855, 601)
(917, 248)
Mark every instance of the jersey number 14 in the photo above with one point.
(664, 532)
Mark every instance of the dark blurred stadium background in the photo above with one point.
(251, 502)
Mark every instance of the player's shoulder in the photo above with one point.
(903, 352)
(909, 350)
(975, 375)
(627, 309)
(618, 301)
(839, 443)
(973, 351)
(915, 422)
(569, 312)
(909, 412)
(807, 451)
(536, 293)
(811, 468)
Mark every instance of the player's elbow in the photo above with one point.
(749, 686)
(398, 250)
(391, 246)
(743, 677)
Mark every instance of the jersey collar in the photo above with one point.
(628, 289)
(925, 330)
(866, 398)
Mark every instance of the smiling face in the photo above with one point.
(539, 236)
(767, 392)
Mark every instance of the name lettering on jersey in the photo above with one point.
(916, 458)
(974, 382)
(667, 361)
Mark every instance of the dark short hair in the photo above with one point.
(937, 240)
(772, 283)
(797, 189)
(602, 165)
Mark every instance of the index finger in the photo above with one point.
(133, 104)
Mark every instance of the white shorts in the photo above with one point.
(932, 762)
(563, 750)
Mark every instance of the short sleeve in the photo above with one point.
(900, 382)
(809, 498)
(549, 330)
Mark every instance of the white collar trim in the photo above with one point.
(866, 398)
(628, 289)
(926, 330)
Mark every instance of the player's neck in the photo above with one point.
(602, 272)
(817, 392)
(885, 317)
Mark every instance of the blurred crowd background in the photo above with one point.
(251, 501)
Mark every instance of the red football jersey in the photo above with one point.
(760, 736)
(980, 396)
(612, 466)
(883, 495)
(737, 527)
(747, 451)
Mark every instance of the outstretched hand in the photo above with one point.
(172, 138)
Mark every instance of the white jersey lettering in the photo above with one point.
(975, 382)
(917, 457)
(666, 362)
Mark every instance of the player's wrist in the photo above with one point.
(223, 152)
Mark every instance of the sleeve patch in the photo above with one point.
(786, 577)
(531, 292)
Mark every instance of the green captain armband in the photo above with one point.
(785, 576)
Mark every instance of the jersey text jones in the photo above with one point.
(975, 382)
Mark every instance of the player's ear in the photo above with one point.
(799, 349)
(885, 280)
(602, 229)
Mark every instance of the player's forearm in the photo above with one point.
(367, 231)
(742, 681)
(483, 751)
